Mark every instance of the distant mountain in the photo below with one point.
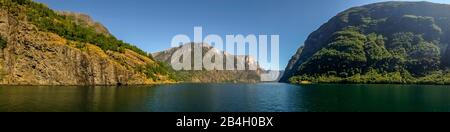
(389, 42)
(42, 47)
(218, 76)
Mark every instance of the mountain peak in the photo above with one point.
(42, 47)
(220, 75)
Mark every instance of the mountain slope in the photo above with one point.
(42, 47)
(389, 42)
(217, 76)
(85, 20)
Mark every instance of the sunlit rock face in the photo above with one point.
(235, 75)
(31, 56)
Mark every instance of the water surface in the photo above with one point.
(264, 97)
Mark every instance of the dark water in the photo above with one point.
(266, 97)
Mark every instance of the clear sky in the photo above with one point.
(151, 24)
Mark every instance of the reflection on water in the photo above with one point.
(265, 97)
(71, 98)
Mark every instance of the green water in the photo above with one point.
(265, 97)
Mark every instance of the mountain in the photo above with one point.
(42, 47)
(292, 66)
(389, 42)
(85, 20)
(216, 76)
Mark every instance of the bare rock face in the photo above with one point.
(33, 57)
(292, 66)
(216, 76)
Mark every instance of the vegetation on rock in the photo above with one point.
(61, 48)
(390, 42)
(65, 26)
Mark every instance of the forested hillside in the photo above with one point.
(389, 42)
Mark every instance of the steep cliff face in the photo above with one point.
(292, 66)
(217, 76)
(388, 42)
(32, 56)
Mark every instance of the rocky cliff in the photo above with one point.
(292, 66)
(205, 76)
(34, 55)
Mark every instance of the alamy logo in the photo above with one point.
(192, 57)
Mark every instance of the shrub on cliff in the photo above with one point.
(48, 20)
(3, 43)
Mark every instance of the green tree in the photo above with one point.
(377, 55)
(423, 58)
(344, 55)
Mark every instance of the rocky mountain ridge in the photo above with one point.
(41, 47)
(205, 76)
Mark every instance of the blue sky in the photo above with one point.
(151, 24)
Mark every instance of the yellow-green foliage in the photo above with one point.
(375, 77)
(78, 45)
(155, 71)
(48, 20)
(85, 38)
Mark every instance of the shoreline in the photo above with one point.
(349, 83)
(312, 83)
